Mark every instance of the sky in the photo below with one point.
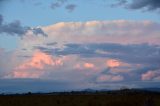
(63, 45)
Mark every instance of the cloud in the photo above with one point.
(15, 28)
(70, 7)
(111, 63)
(148, 5)
(99, 41)
(119, 3)
(89, 65)
(129, 60)
(110, 78)
(131, 47)
(25, 74)
(116, 31)
(35, 67)
(151, 75)
(132, 53)
(60, 3)
(120, 70)
(51, 44)
(39, 60)
(55, 5)
(37, 31)
(6, 57)
(84, 66)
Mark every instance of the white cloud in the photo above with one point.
(117, 31)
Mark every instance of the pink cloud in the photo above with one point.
(85, 65)
(34, 67)
(151, 75)
(89, 65)
(111, 63)
(39, 60)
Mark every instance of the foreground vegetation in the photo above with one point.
(116, 98)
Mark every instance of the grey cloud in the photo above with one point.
(51, 44)
(58, 4)
(70, 7)
(131, 53)
(119, 3)
(55, 5)
(148, 5)
(37, 31)
(62, 1)
(15, 28)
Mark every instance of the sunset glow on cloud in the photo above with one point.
(39, 60)
(89, 65)
(151, 75)
(61, 43)
(111, 63)
(35, 67)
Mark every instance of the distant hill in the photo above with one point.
(93, 91)
(152, 89)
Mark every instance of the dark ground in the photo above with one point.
(83, 99)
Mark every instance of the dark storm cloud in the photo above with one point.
(70, 7)
(15, 28)
(148, 5)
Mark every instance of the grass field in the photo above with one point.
(134, 99)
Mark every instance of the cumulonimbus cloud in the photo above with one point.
(88, 45)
